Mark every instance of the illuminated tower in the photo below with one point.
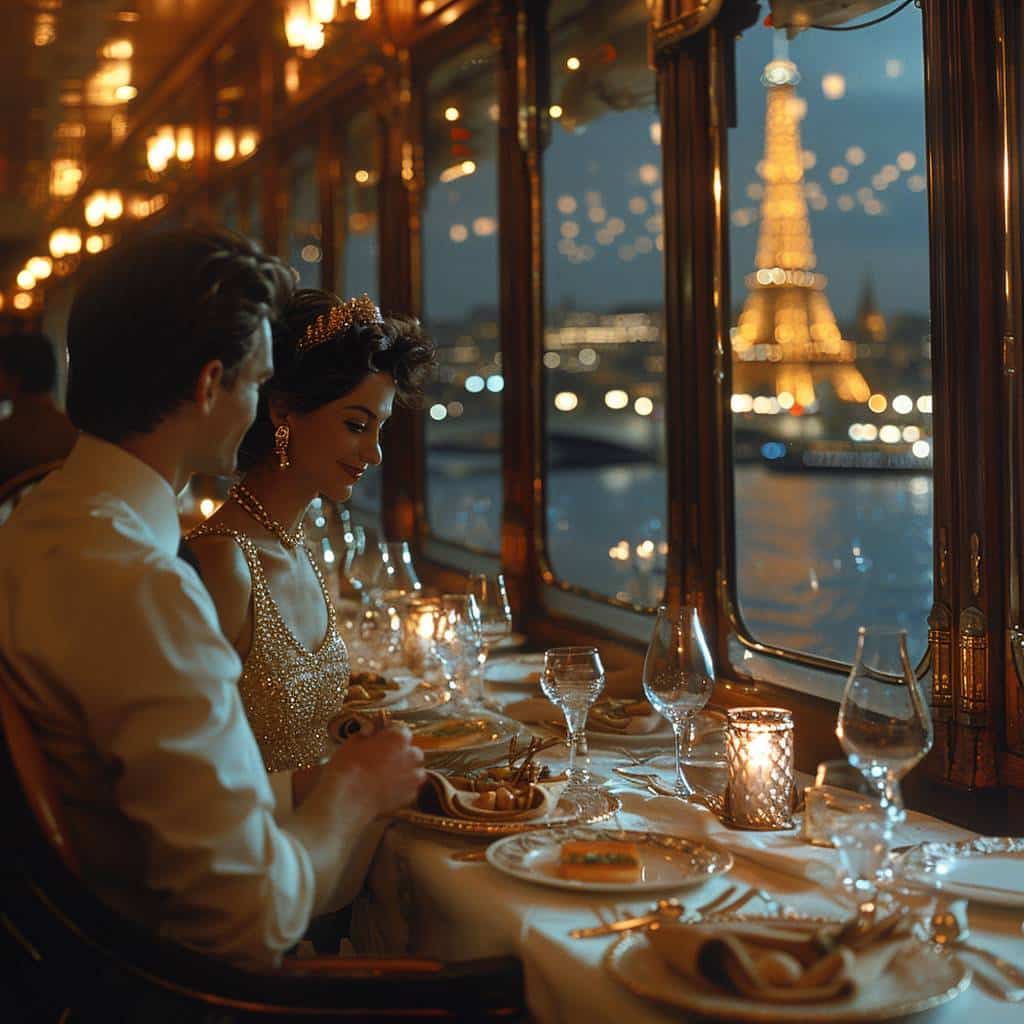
(787, 342)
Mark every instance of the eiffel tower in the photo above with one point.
(787, 343)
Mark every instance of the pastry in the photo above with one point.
(600, 861)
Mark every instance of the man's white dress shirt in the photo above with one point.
(131, 687)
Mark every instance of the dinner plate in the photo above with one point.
(667, 862)
(987, 869)
(518, 670)
(566, 813)
(911, 984)
(468, 733)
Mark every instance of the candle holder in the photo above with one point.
(417, 624)
(759, 754)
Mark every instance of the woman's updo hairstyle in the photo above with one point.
(324, 348)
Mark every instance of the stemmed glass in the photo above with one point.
(456, 641)
(884, 725)
(396, 577)
(495, 613)
(678, 678)
(572, 680)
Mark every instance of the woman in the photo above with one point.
(338, 369)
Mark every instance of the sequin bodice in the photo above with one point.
(289, 693)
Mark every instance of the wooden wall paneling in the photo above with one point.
(520, 38)
(963, 130)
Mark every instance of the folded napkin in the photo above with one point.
(439, 796)
(610, 715)
(629, 717)
(777, 962)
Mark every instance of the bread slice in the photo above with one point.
(600, 861)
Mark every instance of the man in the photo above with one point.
(37, 431)
(127, 678)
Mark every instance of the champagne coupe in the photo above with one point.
(884, 725)
(572, 680)
(456, 641)
(495, 613)
(678, 677)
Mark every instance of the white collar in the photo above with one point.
(106, 468)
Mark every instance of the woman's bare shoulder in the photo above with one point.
(226, 576)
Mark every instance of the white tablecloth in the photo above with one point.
(420, 901)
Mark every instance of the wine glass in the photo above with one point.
(495, 613)
(678, 677)
(884, 725)
(456, 641)
(572, 680)
(362, 563)
(397, 577)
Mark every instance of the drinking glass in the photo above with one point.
(456, 641)
(678, 678)
(495, 613)
(855, 822)
(397, 577)
(362, 563)
(572, 680)
(884, 725)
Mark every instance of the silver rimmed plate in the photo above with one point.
(921, 979)
(987, 869)
(567, 813)
(440, 735)
(400, 687)
(666, 862)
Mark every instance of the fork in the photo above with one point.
(664, 910)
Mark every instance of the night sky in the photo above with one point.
(607, 162)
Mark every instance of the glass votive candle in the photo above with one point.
(417, 627)
(759, 756)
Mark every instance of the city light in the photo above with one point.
(786, 400)
(587, 357)
(906, 160)
(922, 449)
(475, 384)
(458, 233)
(619, 552)
(869, 432)
(22, 300)
(573, 63)
(878, 403)
(25, 280)
(451, 113)
(855, 156)
(40, 267)
(902, 404)
(840, 175)
(911, 434)
(495, 383)
(555, 111)
(917, 183)
(566, 205)
(438, 412)
(924, 404)
(643, 406)
(552, 360)
(94, 244)
(890, 434)
(856, 432)
(741, 403)
(616, 399)
(455, 409)
(566, 401)
(833, 85)
(893, 68)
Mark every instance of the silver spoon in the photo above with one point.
(948, 928)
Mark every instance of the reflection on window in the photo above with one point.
(230, 212)
(236, 136)
(356, 261)
(303, 228)
(603, 347)
(460, 300)
(832, 403)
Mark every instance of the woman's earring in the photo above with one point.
(281, 437)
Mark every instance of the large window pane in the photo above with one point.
(356, 260)
(831, 399)
(460, 300)
(302, 231)
(603, 346)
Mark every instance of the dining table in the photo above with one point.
(423, 897)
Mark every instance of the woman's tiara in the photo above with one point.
(339, 319)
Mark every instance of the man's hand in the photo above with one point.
(386, 768)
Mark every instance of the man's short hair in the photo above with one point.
(30, 360)
(152, 312)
